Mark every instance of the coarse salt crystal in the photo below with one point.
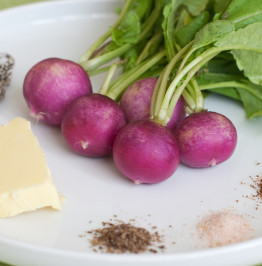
(223, 228)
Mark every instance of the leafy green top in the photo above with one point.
(192, 46)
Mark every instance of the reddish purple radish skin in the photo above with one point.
(50, 85)
(206, 139)
(146, 152)
(178, 115)
(136, 101)
(91, 124)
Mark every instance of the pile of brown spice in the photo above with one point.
(124, 238)
(256, 185)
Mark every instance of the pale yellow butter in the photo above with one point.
(25, 179)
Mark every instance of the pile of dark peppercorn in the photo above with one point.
(123, 238)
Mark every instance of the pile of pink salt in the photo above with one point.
(223, 228)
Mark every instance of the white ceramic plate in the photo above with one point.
(94, 190)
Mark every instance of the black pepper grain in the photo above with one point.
(123, 238)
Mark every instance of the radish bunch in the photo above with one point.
(150, 116)
(59, 92)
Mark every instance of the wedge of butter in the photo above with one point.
(25, 180)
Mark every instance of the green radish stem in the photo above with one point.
(118, 81)
(189, 100)
(156, 38)
(198, 96)
(98, 71)
(118, 88)
(228, 84)
(160, 88)
(172, 92)
(110, 74)
(190, 89)
(106, 35)
(180, 89)
(155, 93)
(148, 25)
(95, 62)
(92, 64)
(190, 52)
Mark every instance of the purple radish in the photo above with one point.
(206, 139)
(91, 124)
(136, 101)
(50, 85)
(178, 115)
(146, 152)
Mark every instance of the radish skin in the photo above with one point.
(91, 124)
(206, 139)
(136, 102)
(178, 115)
(51, 85)
(146, 152)
(136, 99)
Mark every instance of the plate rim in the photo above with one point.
(67, 253)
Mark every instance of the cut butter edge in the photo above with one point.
(26, 183)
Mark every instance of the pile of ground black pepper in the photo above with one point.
(125, 238)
